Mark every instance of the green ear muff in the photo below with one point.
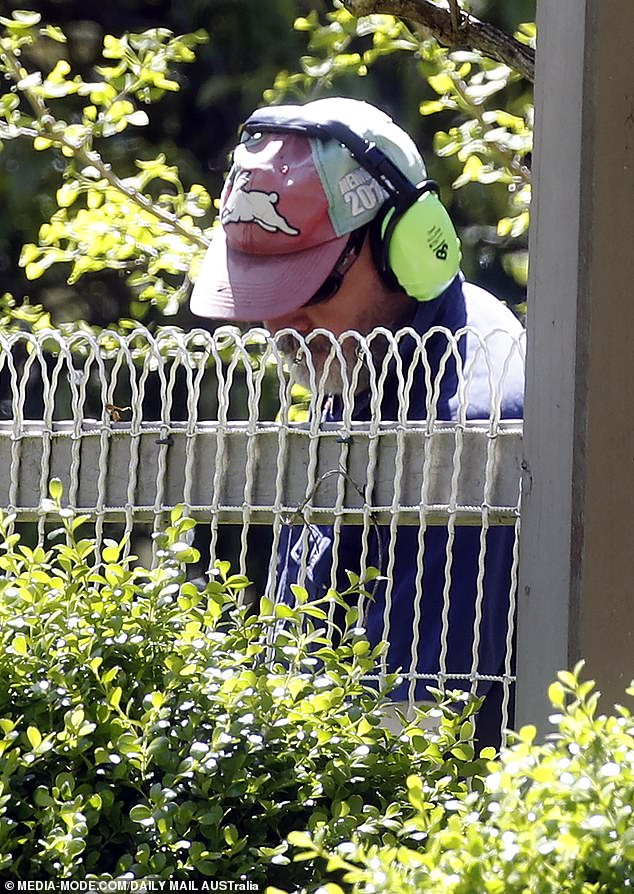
(420, 247)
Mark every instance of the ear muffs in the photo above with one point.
(416, 246)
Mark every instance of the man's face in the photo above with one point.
(362, 303)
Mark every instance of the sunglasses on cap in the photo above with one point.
(333, 281)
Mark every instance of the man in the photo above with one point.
(328, 221)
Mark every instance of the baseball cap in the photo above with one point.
(287, 208)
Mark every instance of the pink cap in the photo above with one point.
(288, 206)
(276, 243)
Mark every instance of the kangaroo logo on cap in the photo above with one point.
(254, 206)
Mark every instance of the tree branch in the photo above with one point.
(91, 157)
(468, 33)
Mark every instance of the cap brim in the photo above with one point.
(245, 287)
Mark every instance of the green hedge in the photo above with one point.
(556, 818)
(153, 729)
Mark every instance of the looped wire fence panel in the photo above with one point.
(135, 424)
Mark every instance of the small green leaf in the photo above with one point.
(463, 752)
(42, 797)
(300, 593)
(115, 697)
(110, 554)
(34, 736)
(176, 513)
(110, 674)
(20, 645)
(66, 196)
(140, 813)
(467, 731)
(230, 834)
(569, 680)
(527, 733)
(55, 489)
(55, 33)
(284, 611)
(441, 83)
(415, 791)
(556, 695)
(489, 753)
(431, 107)
(301, 839)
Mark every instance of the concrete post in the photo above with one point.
(576, 596)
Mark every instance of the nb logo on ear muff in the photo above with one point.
(437, 243)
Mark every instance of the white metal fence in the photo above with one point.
(133, 425)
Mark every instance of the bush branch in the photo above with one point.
(90, 157)
(46, 128)
(455, 30)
